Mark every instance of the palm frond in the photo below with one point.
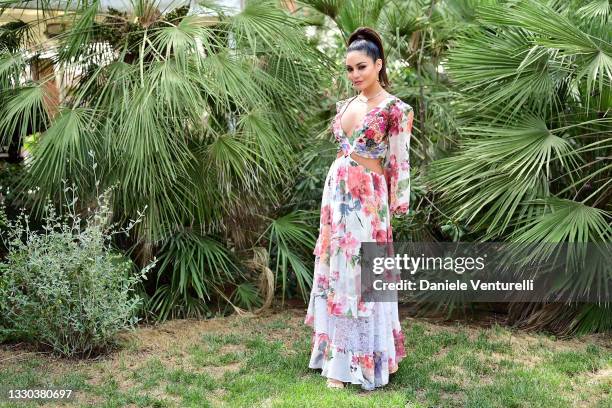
(564, 221)
(16, 35)
(64, 152)
(524, 151)
(555, 31)
(330, 8)
(23, 112)
(246, 296)
(595, 9)
(267, 28)
(196, 267)
(287, 236)
(506, 72)
(259, 131)
(359, 13)
(234, 161)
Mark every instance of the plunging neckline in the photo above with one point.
(360, 127)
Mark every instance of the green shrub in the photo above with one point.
(65, 287)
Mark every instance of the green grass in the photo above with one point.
(246, 362)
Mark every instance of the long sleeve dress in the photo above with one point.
(355, 341)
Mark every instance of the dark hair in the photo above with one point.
(367, 40)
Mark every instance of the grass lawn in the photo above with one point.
(246, 361)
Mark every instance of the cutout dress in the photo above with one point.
(355, 341)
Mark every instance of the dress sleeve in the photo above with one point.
(397, 159)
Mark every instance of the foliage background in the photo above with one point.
(222, 131)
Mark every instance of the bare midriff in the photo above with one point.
(371, 164)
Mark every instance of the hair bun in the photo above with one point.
(362, 34)
(365, 33)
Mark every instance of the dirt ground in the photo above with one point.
(168, 342)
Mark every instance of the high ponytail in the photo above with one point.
(368, 41)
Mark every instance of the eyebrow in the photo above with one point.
(360, 62)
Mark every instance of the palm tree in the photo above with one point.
(534, 82)
(195, 120)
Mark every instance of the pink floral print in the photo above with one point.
(353, 340)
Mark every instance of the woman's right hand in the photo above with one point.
(340, 154)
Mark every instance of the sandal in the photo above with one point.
(331, 383)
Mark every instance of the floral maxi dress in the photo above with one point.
(355, 341)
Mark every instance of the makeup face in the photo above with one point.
(361, 70)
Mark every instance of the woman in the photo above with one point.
(355, 341)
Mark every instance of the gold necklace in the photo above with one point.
(363, 99)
